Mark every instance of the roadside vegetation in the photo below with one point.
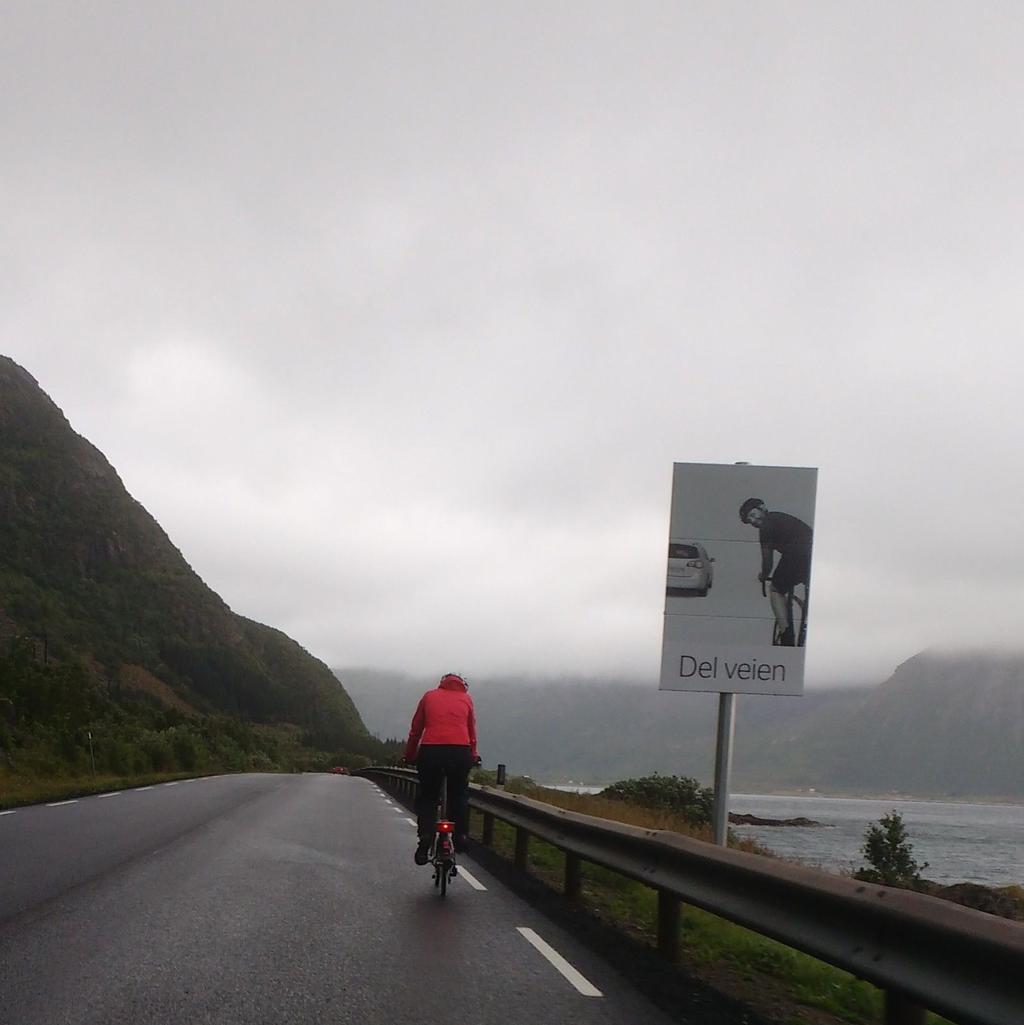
(783, 984)
(65, 731)
(16, 790)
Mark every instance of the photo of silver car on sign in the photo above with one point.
(690, 570)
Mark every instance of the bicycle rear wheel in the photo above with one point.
(783, 633)
(443, 869)
(801, 639)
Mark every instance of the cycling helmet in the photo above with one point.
(450, 679)
(748, 505)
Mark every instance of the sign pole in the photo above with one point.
(734, 527)
(723, 765)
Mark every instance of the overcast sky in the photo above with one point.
(396, 316)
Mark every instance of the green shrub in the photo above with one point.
(119, 757)
(679, 794)
(158, 750)
(260, 762)
(889, 854)
(186, 747)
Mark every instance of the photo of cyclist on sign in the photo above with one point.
(791, 538)
(747, 634)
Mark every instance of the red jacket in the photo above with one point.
(443, 716)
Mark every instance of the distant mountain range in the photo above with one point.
(950, 726)
(88, 573)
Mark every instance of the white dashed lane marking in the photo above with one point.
(471, 879)
(113, 793)
(173, 783)
(412, 822)
(60, 804)
(6, 812)
(140, 789)
(571, 975)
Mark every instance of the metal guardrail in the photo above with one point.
(922, 951)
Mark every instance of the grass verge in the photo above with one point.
(780, 983)
(16, 793)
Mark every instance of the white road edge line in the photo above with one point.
(471, 879)
(412, 822)
(8, 812)
(113, 793)
(60, 804)
(571, 975)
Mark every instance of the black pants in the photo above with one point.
(433, 763)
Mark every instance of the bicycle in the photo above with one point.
(442, 850)
(791, 599)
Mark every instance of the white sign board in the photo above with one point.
(737, 587)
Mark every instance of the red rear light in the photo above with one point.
(446, 827)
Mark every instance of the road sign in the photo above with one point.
(737, 593)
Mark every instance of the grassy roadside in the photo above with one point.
(16, 793)
(783, 984)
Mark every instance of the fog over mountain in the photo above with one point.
(942, 725)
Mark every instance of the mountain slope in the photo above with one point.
(85, 566)
(944, 724)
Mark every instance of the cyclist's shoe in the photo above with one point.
(461, 844)
(786, 639)
(422, 855)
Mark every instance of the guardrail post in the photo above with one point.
(573, 875)
(522, 847)
(900, 1010)
(487, 837)
(669, 919)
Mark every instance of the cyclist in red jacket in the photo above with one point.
(442, 742)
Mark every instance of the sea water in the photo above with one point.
(962, 843)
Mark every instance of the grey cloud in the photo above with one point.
(392, 303)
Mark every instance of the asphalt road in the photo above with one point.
(271, 899)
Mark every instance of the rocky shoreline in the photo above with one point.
(746, 819)
(1004, 901)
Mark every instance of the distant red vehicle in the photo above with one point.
(340, 770)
